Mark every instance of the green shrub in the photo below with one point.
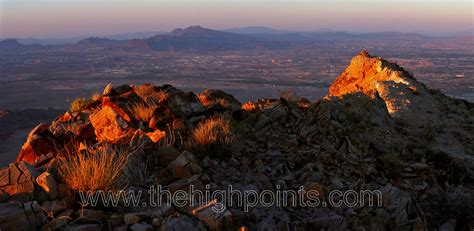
(80, 103)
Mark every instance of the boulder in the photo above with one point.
(156, 136)
(141, 227)
(56, 223)
(214, 218)
(110, 126)
(131, 218)
(180, 223)
(17, 181)
(21, 216)
(184, 184)
(108, 89)
(184, 166)
(184, 103)
(84, 227)
(40, 142)
(54, 207)
(166, 155)
(47, 182)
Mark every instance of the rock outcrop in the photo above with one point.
(446, 122)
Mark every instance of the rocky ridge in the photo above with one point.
(378, 129)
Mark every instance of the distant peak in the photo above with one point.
(195, 28)
(10, 41)
(189, 30)
(95, 40)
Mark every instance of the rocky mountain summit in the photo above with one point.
(378, 129)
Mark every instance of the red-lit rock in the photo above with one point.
(111, 126)
(40, 142)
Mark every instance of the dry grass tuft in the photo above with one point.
(143, 111)
(158, 96)
(249, 106)
(212, 135)
(150, 94)
(93, 170)
(206, 102)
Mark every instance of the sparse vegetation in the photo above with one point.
(150, 94)
(212, 136)
(96, 96)
(207, 102)
(143, 111)
(204, 100)
(93, 170)
(80, 103)
(158, 96)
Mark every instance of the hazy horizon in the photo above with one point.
(61, 19)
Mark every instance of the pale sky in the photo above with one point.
(66, 18)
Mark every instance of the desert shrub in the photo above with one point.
(150, 94)
(204, 100)
(212, 136)
(143, 111)
(158, 96)
(80, 103)
(207, 102)
(92, 170)
(96, 96)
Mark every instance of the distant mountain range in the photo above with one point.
(197, 38)
(194, 38)
(14, 45)
(73, 40)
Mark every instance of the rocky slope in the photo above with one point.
(378, 129)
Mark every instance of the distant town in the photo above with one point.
(35, 76)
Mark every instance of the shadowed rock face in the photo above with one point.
(377, 129)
